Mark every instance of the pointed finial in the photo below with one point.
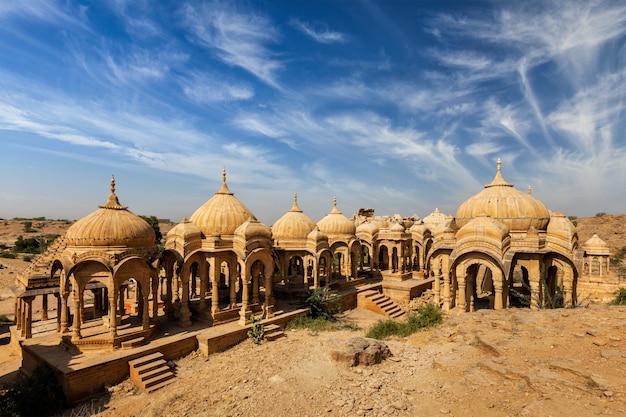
(224, 188)
(530, 190)
(295, 203)
(335, 201)
(499, 164)
(224, 175)
(113, 202)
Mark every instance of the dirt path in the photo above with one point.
(487, 363)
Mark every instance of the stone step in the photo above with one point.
(145, 359)
(129, 344)
(150, 366)
(159, 385)
(157, 380)
(272, 332)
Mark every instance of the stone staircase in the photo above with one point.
(150, 372)
(380, 303)
(273, 332)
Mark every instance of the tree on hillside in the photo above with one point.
(154, 222)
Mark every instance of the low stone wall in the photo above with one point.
(83, 381)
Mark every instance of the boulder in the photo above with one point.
(361, 351)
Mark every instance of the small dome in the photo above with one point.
(186, 230)
(596, 246)
(434, 219)
(368, 227)
(316, 235)
(222, 214)
(561, 227)
(111, 225)
(335, 223)
(499, 200)
(483, 227)
(253, 229)
(294, 224)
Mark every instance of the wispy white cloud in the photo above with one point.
(240, 39)
(141, 65)
(319, 32)
(205, 88)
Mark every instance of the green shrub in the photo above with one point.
(427, 316)
(601, 214)
(7, 255)
(620, 297)
(4, 319)
(37, 395)
(323, 303)
(27, 258)
(257, 332)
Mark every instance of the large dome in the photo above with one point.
(335, 223)
(519, 211)
(294, 224)
(111, 225)
(222, 214)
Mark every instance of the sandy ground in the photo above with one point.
(489, 363)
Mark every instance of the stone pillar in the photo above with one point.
(462, 296)
(534, 277)
(28, 324)
(269, 297)
(121, 308)
(215, 289)
(113, 312)
(436, 285)
(498, 286)
(184, 319)
(169, 294)
(59, 307)
(244, 313)
(78, 315)
(44, 307)
(175, 285)
(446, 290)
(233, 290)
(146, 312)
(64, 312)
(23, 317)
(154, 280)
(568, 287)
(203, 284)
(316, 275)
(18, 313)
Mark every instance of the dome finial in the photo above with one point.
(335, 209)
(530, 190)
(112, 201)
(295, 203)
(498, 180)
(224, 189)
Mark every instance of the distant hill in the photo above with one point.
(611, 228)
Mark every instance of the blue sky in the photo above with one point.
(402, 106)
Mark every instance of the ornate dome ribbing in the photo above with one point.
(294, 224)
(335, 223)
(519, 211)
(222, 214)
(111, 225)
